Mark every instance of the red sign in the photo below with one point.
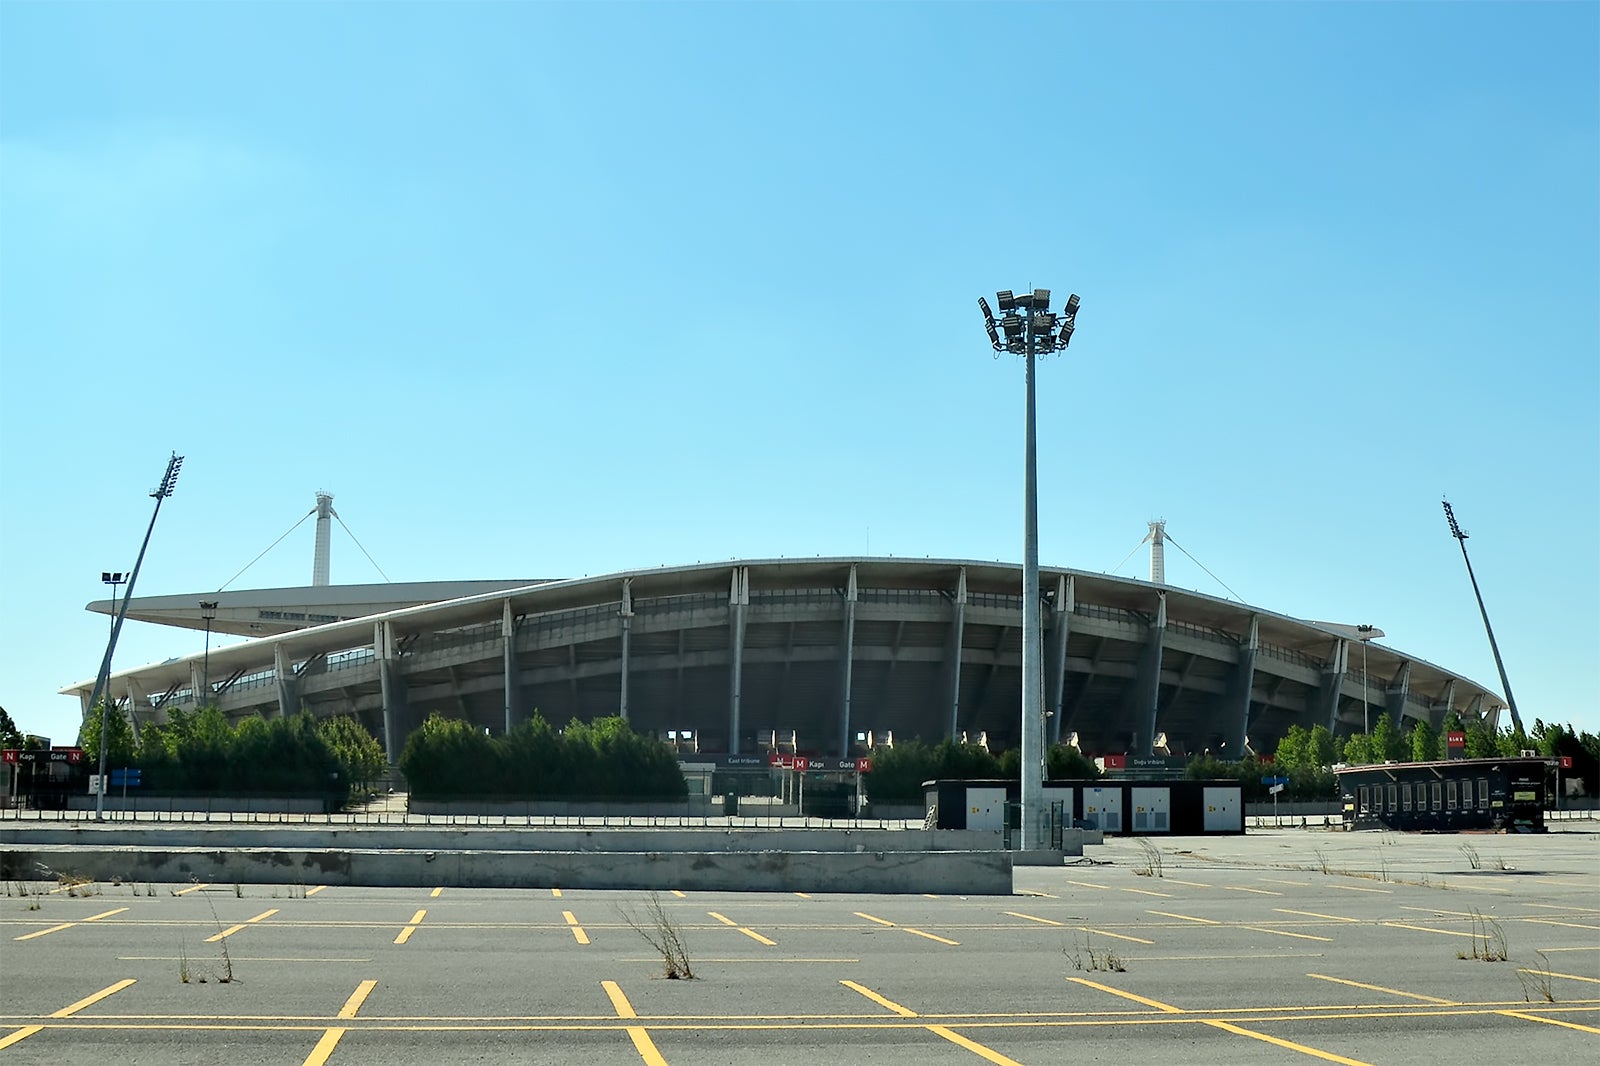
(778, 760)
(1456, 739)
(800, 763)
(864, 766)
(66, 755)
(1566, 762)
(1116, 762)
(9, 755)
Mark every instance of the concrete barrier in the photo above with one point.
(949, 872)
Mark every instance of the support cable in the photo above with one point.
(274, 544)
(1202, 566)
(370, 559)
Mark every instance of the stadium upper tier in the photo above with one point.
(832, 653)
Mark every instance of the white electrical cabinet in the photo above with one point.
(1152, 810)
(1103, 807)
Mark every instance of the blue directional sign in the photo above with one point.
(1274, 780)
(129, 778)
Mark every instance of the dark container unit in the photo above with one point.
(1130, 808)
(1446, 797)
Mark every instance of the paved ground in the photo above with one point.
(1272, 948)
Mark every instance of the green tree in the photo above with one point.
(1451, 724)
(1064, 762)
(119, 737)
(359, 754)
(1294, 750)
(1424, 742)
(1322, 749)
(1480, 742)
(1387, 743)
(10, 735)
(1359, 750)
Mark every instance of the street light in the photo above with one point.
(112, 578)
(1367, 633)
(1030, 329)
(208, 611)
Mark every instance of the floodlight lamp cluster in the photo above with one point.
(169, 480)
(1026, 319)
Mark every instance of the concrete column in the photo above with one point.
(394, 691)
(197, 685)
(1243, 685)
(288, 684)
(1395, 697)
(738, 603)
(1333, 686)
(1147, 682)
(1442, 708)
(626, 614)
(1066, 601)
(958, 624)
(848, 654)
(136, 696)
(508, 635)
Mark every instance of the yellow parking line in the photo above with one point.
(1547, 1021)
(870, 918)
(324, 1048)
(1156, 1003)
(930, 936)
(1257, 891)
(556, 893)
(577, 930)
(191, 888)
(619, 1001)
(1568, 976)
(1280, 1042)
(1185, 917)
(1031, 918)
(21, 1034)
(405, 934)
(973, 1046)
(1276, 881)
(1109, 888)
(232, 929)
(753, 935)
(436, 893)
(1196, 884)
(1314, 914)
(1117, 936)
(358, 997)
(1358, 888)
(723, 920)
(1380, 988)
(1285, 932)
(1569, 925)
(45, 932)
(803, 895)
(89, 1001)
(680, 895)
(645, 1046)
(929, 895)
(313, 891)
(904, 1012)
(1425, 929)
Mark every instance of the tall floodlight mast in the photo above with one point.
(1505, 683)
(319, 561)
(102, 681)
(1030, 329)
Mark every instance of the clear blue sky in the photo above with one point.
(562, 289)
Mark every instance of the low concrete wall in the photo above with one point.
(193, 835)
(690, 807)
(134, 801)
(965, 873)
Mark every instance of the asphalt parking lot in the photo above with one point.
(1277, 947)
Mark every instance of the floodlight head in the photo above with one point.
(1012, 324)
(208, 609)
(988, 323)
(1006, 300)
(1072, 306)
(1041, 299)
(111, 577)
(169, 480)
(1065, 337)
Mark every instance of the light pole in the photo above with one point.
(1367, 633)
(112, 578)
(1030, 329)
(208, 611)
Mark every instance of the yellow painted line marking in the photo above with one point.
(1380, 988)
(21, 1034)
(1552, 921)
(1525, 1017)
(904, 1012)
(191, 888)
(1030, 892)
(645, 1047)
(1196, 884)
(416, 919)
(358, 997)
(680, 895)
(263, 916)
(555, 892)
(753, 935)
(1568, 976)
(324, 1048)
(973, 1046)
(1314, 914)
(1425, 929)
(619, 1001)
(405, 934)
(1185, 917)
(723, 920)
(313, 891)
(45, 932)
(1291, 1045)
(1437, 911)
(803, 895)
(870, 918)
(577, 930)
(1566, 906)
(1285, 932)
(1117, 936)
(436, 893)
(929, 895)
(1358, 888)
(107, 914)
(1157, 1004)
(232, 929)
(930, 936)
(89, 1001)
(1031, 918)
(1257, 891)
(1109, 888)
(1276, 881)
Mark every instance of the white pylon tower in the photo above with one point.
(319, 561)
(1158, 561)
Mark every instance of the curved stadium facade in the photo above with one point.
(830, 655)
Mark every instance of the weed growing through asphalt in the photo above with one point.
(226, 976)
(1091, 958)
(1488, 940)
(1536, 981)
(661, 933)
(183, 961)
(1474, 860)
(1150, 860)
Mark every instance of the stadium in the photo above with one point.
(825, 657)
